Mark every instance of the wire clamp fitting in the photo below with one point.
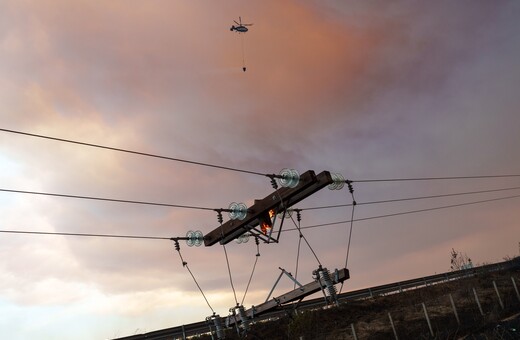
(177, 246)
(274, 184)
(220, 219)
(349, 184)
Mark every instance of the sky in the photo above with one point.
(368, 89)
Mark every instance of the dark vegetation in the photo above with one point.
(371, 321)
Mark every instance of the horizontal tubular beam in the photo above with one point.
(282, 198)
(296, 294)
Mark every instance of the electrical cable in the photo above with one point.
(296, 225)
(185, 264)
(351, 190)
(200, 289)
(220, 220)
(350, 235)
(298, 217)
(431, 178)
(253, 271)
(230, 277)
(234, 169)
(133, 152)
(412, 198)
(354, 203)
(285, 230)
(213, 209)
(84, 235)
(403, 213)
(305, 239)
(106, 199)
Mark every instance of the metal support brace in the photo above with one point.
(289, 275)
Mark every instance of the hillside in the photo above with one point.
(499, 319)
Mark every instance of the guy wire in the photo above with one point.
(227, 259)
(185, 264)
(253, 271)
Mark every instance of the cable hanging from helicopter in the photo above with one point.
(241, 28)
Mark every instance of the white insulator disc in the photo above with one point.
(289, 178)
(295, 178)
(198, 237)
(237, 211)
(232, 210)
(241, 211)
(189, 235)
(288, 213)
(340, 181)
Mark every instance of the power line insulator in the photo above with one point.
(323, 275)
(244, 238)
(338, 181)
(217, 323)
(288, 213)
(241, 312)
(243, 318)
(289, 178)
(237, 211)
(194, 238)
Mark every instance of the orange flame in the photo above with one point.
(266, 227)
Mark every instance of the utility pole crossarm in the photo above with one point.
(282, 198)
(296, 294)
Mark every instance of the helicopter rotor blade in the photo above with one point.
(236, 22)
(240, 19)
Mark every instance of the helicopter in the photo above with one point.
(241, 28)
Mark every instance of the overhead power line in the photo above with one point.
(84, 235)
(106, 199)
(411, 198)
(133, 152)
(430, 178)
(115, 200)
(185, 264)
(404, 213)
(231, 168)
(285, 230)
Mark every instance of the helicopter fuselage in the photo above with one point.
(241, 29)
